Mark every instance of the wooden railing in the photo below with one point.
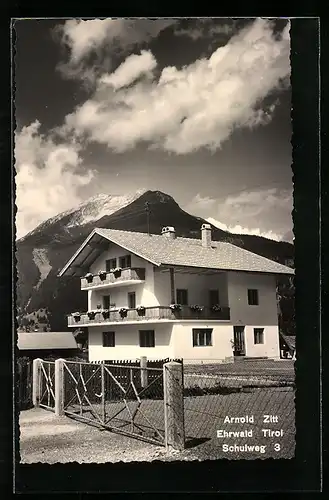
(149, 314)
(111, 277)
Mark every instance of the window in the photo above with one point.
(110, 264)
(213, 297)
(106, 301)
(182, 297)
(258, 335)
(125, 262)
(132, 300)
(108, 339)
(146, 338)
(202, 337)
(253, 297)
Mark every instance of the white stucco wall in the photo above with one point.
(171, 340)
(198, 286)
(270, 348)
(119, 295)
(241, 312)
(127, 342)
(221, 336)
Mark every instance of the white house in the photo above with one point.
(163, 296)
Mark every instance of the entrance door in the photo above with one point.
(239, 344)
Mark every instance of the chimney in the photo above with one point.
(168, 232)
(206, 235)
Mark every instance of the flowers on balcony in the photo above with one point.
(196, 308)
(102, 275)
(140, 310)
(175, 307)
(123, 311)
(91, 314)
(89, 277)
(106, 313)
(117, 272)
(76, 316)
(216, 308)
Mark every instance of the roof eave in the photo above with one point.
(75, 255)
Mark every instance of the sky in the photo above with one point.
(196, 108)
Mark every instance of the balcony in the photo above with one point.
(156, 313)
(131, 276)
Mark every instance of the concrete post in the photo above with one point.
(36, 382)
(143, 365)
(59, 387)
(173, 387)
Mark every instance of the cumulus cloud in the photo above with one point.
(88, 41)
(197, 106)
(263, 212)
(48, 177)
(132, 68)
(260, 212)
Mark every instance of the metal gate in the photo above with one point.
(123, 399)
(47, 384)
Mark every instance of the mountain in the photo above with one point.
(43, 252)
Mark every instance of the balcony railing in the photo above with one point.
(112, 277)
(149, 314)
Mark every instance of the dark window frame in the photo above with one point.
(131, 294)
(180, 291)
(108, 297)
(110, 264)
(202, 333)
(259, 336)
(253, 297)
(110, 340)
(124, 260)
(146, 338)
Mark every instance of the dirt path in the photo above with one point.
(50, 439)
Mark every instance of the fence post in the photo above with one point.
(143, 365)
(103, 392)
(173, 388)
(59, 387)
(36, 382)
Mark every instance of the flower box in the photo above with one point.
(106, 313)
(216, 308)
(123, 312)
(175, 307)
(141, 310)
(102, 275)
(117, 272)
(196, 308)
(76, 316)
(89, 277)
(91, 314)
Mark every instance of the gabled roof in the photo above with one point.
(45, 340)
(163, 251)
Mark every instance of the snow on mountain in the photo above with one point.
(99, 206)
(90, 210)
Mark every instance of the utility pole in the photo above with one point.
(147, 208)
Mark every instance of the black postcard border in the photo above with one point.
(303, 473)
